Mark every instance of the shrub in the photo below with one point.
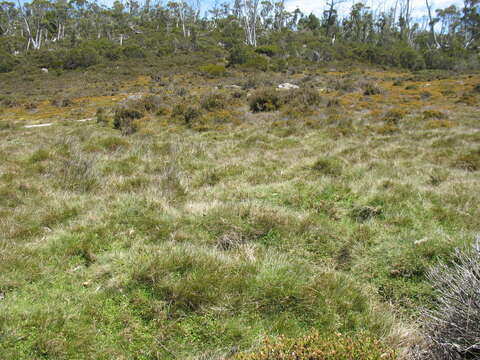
(7, 62)
(214, 101)
(371, 89)
(410, 59)
(387, 129)
(212, 70)
(80, 57)
(124, 119)
(344, 84)
(433, 114)
(186, 112)
(62, 102)
(304, 97)
(101, 116)
(318, 346)
(150, 103)
(9, 102)
(440, 124)
(247, 58)
(394, 116)
(106, 48)
(364, 213)
(239, 55)
(333, 103)
(469, 161)
(257, 62)
(269, 50)
(133, 52)
(265, 100)
(44, 58)
(453, 326)
(425, 95)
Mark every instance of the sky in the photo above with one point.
(419, 8)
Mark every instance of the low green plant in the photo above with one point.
(316, 346)
(214, 101)
(433, 114)
(394, 116)
(265, 100)
(469, 161)
(213, 70)
(185, 112)
(371, 88)
(101, 116)
(330, 166)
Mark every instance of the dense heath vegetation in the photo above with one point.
(66, 35)
(178, 204)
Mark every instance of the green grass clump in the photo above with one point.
(328, 166)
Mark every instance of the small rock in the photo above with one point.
(421, 241)
(44, 70)
(288, 86)
(236, 87)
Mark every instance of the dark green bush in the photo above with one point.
(269, 50)
(436, 59)
(7, 62)
(265, 100)
(105, 48)
(48, 58)
(239, 55)
(124, 119)
(133, 52)
(187, 113)
(256, 62)
(80, 57)
(410, 58)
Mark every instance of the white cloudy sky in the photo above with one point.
(317, 7)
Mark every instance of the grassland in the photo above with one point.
(199, 236)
